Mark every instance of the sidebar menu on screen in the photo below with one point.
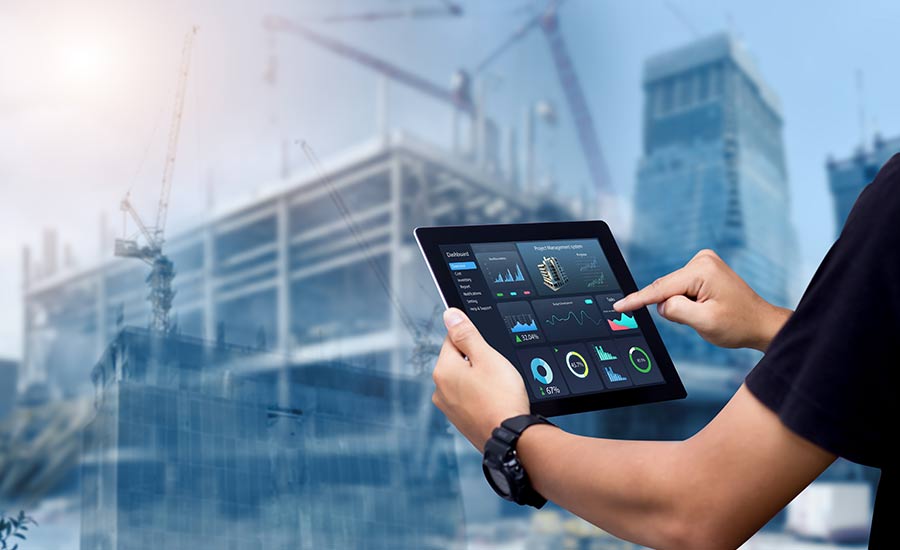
(477, 297)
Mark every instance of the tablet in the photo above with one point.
(542, 294)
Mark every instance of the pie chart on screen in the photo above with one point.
(541, 371)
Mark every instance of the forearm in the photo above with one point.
(711, 491)
(629, 488)
(770, 322)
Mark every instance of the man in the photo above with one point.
(826, 387)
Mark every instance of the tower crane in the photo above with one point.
(458, 95)
(548, 21)
(162, 271)
(449, 8)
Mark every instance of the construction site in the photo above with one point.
(204, 386)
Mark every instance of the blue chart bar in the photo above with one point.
(614, 376)
(461, 266)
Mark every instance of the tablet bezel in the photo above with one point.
(429, 240)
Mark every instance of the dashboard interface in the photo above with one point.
(547, 306)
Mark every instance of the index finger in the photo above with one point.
(680, 282)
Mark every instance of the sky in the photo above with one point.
(87, 91)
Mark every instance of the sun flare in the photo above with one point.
(85, 61)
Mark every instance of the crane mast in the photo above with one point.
(162, 271)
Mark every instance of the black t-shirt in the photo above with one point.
(831, 373)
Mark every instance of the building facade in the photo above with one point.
(313, 269)
(848, 177)
(712, 175)
(194, 447)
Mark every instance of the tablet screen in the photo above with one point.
(548, 307)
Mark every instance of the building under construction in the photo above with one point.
(318, 273)
(316, 269)
(321, 266)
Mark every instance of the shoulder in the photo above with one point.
(877, 210)
(886, 185)
(893, 163)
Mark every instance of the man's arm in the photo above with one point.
(712, 491)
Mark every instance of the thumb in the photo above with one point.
(463, 334)
(681, 309)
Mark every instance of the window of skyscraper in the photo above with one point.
(667, 93)
(686, 91)
(703, 84)
(716, 80)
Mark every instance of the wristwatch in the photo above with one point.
(501, 465)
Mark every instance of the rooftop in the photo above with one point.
(708, 50)
(882, 149)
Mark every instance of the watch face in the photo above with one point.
(501, 484)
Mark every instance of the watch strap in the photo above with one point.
(503, 443)
(518, 424)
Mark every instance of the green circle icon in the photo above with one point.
(639, 363)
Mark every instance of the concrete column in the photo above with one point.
(209, 262)
(25, 369)
(396, 175)
(283, 306)
(454, 136)
(529, 149)
(283, 320)
(478, 128)
(101, 305)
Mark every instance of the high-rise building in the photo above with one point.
(193, 446)
(552, 273)
(712, 175)
(847, 177)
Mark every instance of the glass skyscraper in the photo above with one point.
(713, 176)
(847, 177)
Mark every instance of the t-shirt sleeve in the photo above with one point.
(831, 373)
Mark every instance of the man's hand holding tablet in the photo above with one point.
(468, 372)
